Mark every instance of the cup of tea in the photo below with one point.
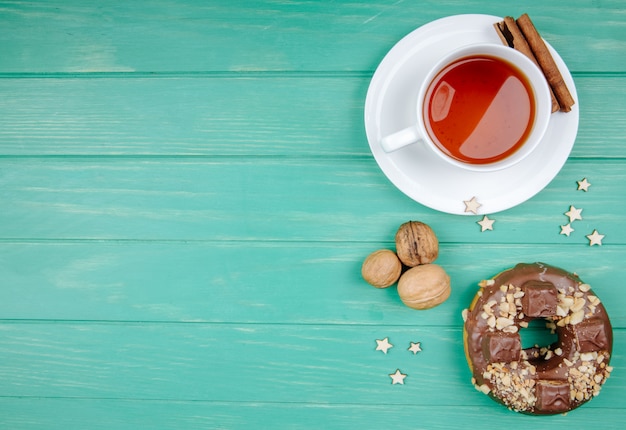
(483, 107)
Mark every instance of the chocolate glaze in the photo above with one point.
(547, 379)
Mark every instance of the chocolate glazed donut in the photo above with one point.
(539, 380)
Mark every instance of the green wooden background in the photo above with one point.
(187, 194)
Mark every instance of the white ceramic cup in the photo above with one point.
(417, 134)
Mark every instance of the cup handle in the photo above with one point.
(400, 139)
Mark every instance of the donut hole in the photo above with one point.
(537, 335)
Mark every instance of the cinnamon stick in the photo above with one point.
(511, 35)
(546, 62)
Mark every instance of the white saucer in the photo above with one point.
(423, 175)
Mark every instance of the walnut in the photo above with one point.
(416, 244)
(424, 286)
(381, 268)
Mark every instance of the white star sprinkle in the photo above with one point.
(583, 184)
(595, 238)
(566, 229)
(415, 347)
(397, 378)
(486, 223)
(573, 214)
(472, 205)
(383, 345)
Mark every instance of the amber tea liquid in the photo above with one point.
(479, 109)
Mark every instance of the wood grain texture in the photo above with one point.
(171, 415)
(276, 199)
(266, 282)
(163, 36)
(232, 116)
(187, 195)
(213, 362)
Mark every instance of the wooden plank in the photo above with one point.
(596, 107)
(75, 414)
(182, 116)
(161, 36)
(316, 364)
(259, 282)
(217, 116)
(276, 199)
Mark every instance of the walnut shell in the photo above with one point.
(416, 243)
(424, 286)
(381, 268)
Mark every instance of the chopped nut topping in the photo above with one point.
(486, 283)
(589, 356)
(484, 388)
(515, 381)
(561, 311)
(577, 317)
(579, 303)
(510, 384)
(503, 322)
(563, 322)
